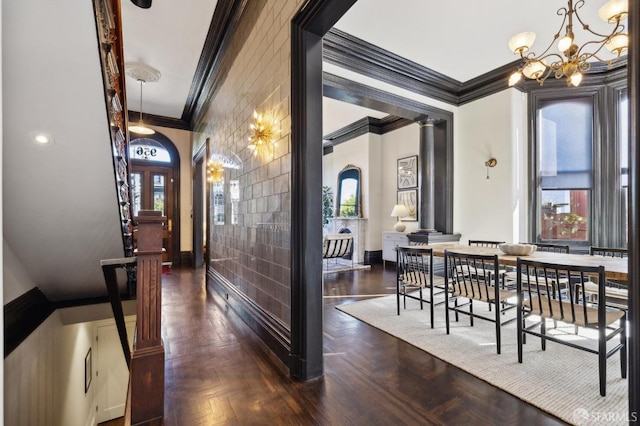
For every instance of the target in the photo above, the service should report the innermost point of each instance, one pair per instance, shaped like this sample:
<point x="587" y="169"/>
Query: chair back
<point x="535" y="286"/>
<point x="552" y="248"/>
<point x="461" y="274"/>
<point x="485" y="243"/>
<point x="336" y="245"/>
<point x="609" y="252"/>
<point x="414" y="266"/>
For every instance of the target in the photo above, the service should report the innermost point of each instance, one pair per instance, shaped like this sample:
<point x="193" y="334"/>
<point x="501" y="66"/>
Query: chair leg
<point x="446" y="309"/>
<point x="520" y="327"/>
<point x="602" y="360"/>
<point x="421" y="301"/>
<point x="398" y="295"/>
<point x="543" y="331"/>
<point x="471" y="311"/>
<point x="431" y="304"/>
<point x="623" y="349"/>
<point x="498" y="328"/>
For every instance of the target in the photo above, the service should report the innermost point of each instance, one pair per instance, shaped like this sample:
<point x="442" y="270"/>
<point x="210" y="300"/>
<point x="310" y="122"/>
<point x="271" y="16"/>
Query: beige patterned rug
<point x="562" y="380"/>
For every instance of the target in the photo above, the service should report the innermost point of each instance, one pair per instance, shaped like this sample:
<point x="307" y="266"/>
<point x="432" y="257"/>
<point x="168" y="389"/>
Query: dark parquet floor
<point x="219" y="372"/>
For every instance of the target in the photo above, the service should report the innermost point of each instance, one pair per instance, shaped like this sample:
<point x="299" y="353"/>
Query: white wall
<point x="30" y="371"/>
<point x="400" y="143"/>
<point x="16" y="279"/>
<point x="375" y="194"/>
<point x="494" y="208"/>
<point x="45" y="376"/>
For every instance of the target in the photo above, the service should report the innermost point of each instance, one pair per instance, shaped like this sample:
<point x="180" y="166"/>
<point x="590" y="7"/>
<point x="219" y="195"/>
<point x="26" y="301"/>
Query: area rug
<point x="562" y="381"/>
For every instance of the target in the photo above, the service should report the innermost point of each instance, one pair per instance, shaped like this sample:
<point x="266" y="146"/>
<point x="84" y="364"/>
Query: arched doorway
<point x="155" y="183"/>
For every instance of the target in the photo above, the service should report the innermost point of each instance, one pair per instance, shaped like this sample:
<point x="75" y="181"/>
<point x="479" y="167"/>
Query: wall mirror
<point x="348" y="202"/>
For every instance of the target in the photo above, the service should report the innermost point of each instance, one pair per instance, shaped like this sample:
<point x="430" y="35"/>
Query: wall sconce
<point x="215" y="171"/>
<point x="262" y="136"/>
<point x="490" y="163"/>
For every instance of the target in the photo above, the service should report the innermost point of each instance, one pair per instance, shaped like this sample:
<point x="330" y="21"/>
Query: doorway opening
<point x="155" y="183"/>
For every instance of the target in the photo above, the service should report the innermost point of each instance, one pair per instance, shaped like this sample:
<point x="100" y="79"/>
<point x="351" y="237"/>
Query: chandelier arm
<point x="588" y="55"/>
<point x="531" y="55"/>
<point x="618" y="28"/>
<point x="543" y="57"/>
<point x="541" y="78"/>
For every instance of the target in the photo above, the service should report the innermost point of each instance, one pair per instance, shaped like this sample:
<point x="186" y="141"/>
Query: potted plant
<point x="327" y="205"/>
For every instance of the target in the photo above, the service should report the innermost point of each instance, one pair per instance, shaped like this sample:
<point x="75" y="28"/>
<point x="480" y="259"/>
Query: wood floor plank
<point x="219" y="372"/>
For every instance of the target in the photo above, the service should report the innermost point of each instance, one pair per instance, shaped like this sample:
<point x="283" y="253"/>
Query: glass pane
<point x="136" y="192"/>
<point x="158" y="193"/>
<point x="148" y="150"/>
<point x="565" y="215"/>
<point x="623" y="143"/>
<point x="234" y="195"/>
<point x="218" y="202"/>
<point x="348" y="197"/>
<point x="565" y="139"/>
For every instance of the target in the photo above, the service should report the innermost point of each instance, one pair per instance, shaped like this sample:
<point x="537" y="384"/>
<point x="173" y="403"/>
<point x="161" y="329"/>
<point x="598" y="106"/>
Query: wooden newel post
<point x="147" y="360"/>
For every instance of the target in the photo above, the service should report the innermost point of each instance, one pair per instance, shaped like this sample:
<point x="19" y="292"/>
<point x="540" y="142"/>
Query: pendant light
<point x="140" y="128"/>
<point x="143" y="74"/>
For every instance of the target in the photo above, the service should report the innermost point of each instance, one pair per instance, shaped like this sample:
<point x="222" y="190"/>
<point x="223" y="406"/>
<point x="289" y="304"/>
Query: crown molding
<point x="351" y="53"/>
<point x="159" y="120"/>
<point x="377" y="126"/>
<point x="225" y="22"/>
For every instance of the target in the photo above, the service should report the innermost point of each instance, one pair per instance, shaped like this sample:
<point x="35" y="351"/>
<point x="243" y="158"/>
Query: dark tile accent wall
<point x="251" y="250"/>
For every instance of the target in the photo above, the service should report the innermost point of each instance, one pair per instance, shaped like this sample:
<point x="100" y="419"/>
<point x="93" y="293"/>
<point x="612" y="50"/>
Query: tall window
<point x="565" y="168"/>
<point x="579" y="166"/>
<point x="623" y="143"/>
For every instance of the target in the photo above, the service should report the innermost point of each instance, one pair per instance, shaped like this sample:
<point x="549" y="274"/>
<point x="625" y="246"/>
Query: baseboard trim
<point x="372" y="257"/>
<point x="186" y="258"/>
<point x="273" y="332"/>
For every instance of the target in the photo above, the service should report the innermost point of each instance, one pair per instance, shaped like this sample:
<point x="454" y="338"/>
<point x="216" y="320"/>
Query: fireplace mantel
<point x="358" y="227"/>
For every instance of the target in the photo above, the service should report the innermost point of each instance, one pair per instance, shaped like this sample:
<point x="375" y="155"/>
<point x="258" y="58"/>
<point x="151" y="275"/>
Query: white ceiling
<point x="460" y="38"/>
<point x="169" y="37"/>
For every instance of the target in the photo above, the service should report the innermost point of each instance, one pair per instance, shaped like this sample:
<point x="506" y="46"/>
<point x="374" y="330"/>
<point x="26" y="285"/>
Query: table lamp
<point x="399" y="211"/>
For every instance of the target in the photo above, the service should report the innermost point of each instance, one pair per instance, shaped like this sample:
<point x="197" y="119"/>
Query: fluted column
<point x="427" y="175"/>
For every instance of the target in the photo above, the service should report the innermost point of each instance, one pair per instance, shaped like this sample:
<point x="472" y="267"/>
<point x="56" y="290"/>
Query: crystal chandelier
<point x="573" y="60"/>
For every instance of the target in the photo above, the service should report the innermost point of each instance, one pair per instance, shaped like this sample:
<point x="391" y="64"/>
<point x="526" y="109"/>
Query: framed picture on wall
<point x="410" y="199"/>
<point x="88" y="371"/>
<point x="408" y="172"/>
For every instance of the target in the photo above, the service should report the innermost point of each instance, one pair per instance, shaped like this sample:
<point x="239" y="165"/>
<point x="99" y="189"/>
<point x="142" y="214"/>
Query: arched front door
<point x="154" y="186"/>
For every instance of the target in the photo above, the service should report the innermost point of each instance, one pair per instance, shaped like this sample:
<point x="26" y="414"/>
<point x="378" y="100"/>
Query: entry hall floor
<point x="218" y="372"/>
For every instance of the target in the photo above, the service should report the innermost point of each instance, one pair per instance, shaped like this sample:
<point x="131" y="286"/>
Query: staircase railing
<point x="109" y="269"/>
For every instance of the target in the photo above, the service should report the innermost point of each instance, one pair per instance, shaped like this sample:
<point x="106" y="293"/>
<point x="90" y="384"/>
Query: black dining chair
<point x="414" y="274"/>
<point x="537" y="302"/>
<point x="466" y="287"/>
<point x="616" y="291"/>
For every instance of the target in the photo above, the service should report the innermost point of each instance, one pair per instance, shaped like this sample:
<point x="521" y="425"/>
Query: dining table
<point x="615" y="268"/>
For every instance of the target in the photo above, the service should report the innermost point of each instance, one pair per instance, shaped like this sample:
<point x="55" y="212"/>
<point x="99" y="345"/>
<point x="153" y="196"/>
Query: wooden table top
<point x="615" y="267"/>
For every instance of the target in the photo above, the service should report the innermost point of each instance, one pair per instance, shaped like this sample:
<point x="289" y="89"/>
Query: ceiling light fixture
<point x="140" y="128"/>
<point x="143" y="74"/>
<point x="573" y="61"/>
<point x="41" y="138"/>
<point x="262" y="136"/>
